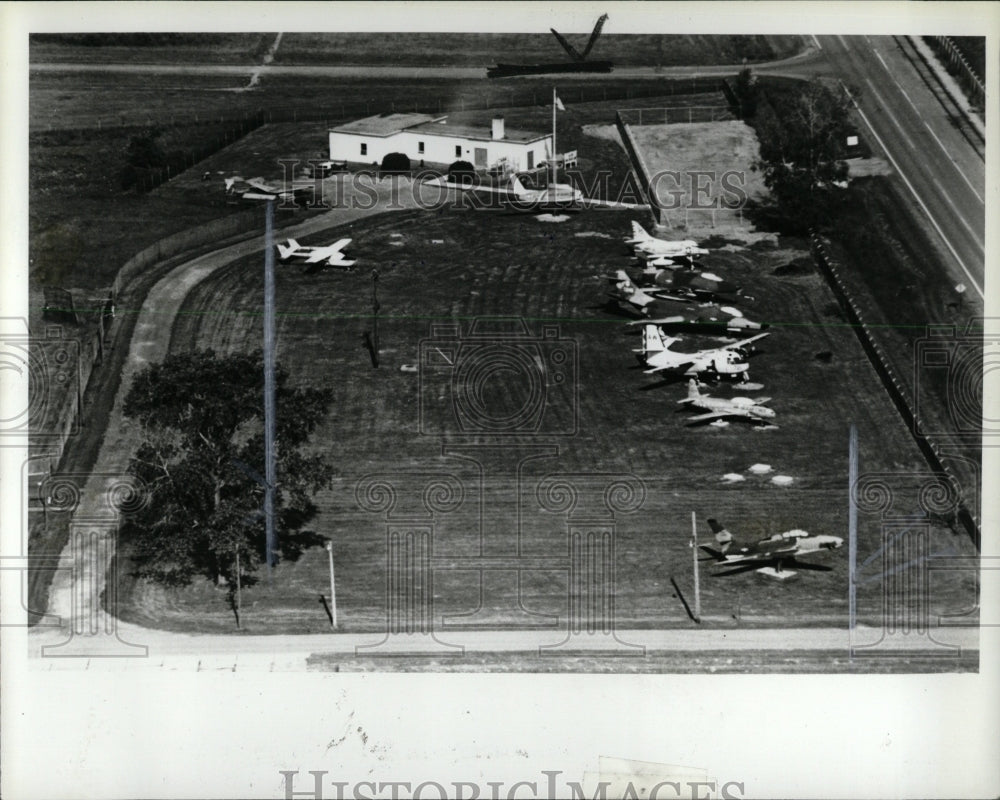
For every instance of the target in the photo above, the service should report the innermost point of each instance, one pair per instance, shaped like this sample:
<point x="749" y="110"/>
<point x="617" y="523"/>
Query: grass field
<point x="492" y="264"/>
<point x="415" y="49"/>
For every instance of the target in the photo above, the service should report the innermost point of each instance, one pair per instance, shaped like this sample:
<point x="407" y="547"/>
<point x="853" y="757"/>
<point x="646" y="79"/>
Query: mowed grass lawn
<point x="455" y="266"/>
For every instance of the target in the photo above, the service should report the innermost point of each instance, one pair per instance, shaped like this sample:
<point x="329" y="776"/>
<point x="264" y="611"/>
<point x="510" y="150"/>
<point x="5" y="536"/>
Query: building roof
<point x="390" y="124"/>
<point x="476" y="133"/>
<point x="385" y="124"/>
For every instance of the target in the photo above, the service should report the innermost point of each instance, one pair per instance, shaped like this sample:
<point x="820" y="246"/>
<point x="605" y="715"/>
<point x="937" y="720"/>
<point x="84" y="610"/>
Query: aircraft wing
<point x="705" y="417"/>
<point x="743" y="342"/>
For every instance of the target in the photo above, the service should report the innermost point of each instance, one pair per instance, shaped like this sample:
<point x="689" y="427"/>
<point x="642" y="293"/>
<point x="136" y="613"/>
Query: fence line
<point x="973" y="84"/>
<point x="892" y="385"/>
<point x="492" y="98"/>
<point x="675" y="115"/>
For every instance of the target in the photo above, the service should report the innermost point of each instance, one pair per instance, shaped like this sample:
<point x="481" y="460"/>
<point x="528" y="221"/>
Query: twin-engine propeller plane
<point x="769" y="556"/>
<point x="726" y="361"/>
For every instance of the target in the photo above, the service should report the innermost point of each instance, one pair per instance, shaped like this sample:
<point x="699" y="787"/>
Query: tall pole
<point x="239" y="599"/>
<point x="269" y="426"/>
<point x="333" y="588"/>
<point x="694" y="556"/>
<point x="554" y="173"/>
<point x="852" y="533"/>
<point x="375" y="307"/>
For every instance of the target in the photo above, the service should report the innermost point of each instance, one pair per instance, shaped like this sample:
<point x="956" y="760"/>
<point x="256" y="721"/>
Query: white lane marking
<point x="971" y="277"/>
<point x="927" y="124"/>
<point x="818" y="45"/>
<point x="892" y="116"/>
<point x="957" y="168"/>
<point x="958" y="213"/>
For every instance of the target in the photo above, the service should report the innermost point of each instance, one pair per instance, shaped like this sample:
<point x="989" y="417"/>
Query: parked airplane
<point x="730" y="359"/>
<point x="681" y="313"/>
<point x="316" y="255"/>
<point x="255" y="189"/>
<point x="561" y="196"/>
<point x="644" y="243"/>
<point x="768" y="555"/>
<point x="682" y="278"/>
<point x="748" y="408"/>
<point x="678" y="284"/>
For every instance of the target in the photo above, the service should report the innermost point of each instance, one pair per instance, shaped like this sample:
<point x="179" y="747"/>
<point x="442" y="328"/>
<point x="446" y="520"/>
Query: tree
<point x="802" y="132"/>
<point x="202" y="457"/>
<point x="745" y="87"/>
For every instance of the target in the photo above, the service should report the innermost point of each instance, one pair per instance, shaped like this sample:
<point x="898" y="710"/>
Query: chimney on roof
<point x="498" y="129"/>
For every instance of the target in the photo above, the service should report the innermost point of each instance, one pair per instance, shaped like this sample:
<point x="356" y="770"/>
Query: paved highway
<point x="935" y="160"/>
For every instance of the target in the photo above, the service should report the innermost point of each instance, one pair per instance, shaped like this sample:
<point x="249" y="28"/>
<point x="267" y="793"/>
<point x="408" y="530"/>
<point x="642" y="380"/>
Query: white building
<point x="430" y="139"/>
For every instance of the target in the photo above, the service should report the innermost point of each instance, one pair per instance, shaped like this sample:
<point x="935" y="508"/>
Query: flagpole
<point x="553" y="135"/>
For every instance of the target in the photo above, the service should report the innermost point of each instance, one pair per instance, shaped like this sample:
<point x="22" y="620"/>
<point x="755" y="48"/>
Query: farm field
<point x="456" y="266"/>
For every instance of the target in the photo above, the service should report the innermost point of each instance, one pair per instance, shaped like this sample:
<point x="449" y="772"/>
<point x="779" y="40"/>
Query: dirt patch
<point x="701" y="173"/>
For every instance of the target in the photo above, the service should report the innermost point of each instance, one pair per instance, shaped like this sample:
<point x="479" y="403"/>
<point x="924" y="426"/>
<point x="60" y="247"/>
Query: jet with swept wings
<point x="769" y="555"/>
<point x="330" y="255"/>
<point x="647" y="245"/>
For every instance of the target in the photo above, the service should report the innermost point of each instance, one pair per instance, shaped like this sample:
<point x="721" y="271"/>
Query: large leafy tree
<point x="802" y="132"/>
<point x="202" y="460"/>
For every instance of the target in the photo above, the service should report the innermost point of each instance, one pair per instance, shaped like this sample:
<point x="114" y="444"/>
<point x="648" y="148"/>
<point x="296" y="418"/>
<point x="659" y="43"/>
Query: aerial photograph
<point x="498" y="400"/>
<point x="512" y="352"/>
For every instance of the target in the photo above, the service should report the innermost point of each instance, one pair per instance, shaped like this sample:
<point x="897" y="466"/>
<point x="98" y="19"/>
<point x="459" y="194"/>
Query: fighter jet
<point x="330" y="254"/>
<point x="728" y="360"/>
<point x="643" y="243"/>
<point x="752" y="409"/>
<point x="679" y="285"/>
<point x="770" y="555"/>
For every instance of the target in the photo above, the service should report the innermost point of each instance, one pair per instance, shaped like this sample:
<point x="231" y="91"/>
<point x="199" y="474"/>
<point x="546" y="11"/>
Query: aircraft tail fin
<point x="516" y="186"/>
<point x="285" y="251"/>
<point x="652" y="339"/>
<point x="722" y="536"/>
<point x="693" y="393"/>
<point x="638" y="232"/>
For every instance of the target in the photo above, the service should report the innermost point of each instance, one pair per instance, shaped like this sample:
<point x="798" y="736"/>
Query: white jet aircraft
<point x="255" y="189"/>
<point x="717" y="407"/>
<point x="331" y="254"/>
<point x="646" y="245"/>
<point x="729" y="360"/>
<point x="553" y="196"/>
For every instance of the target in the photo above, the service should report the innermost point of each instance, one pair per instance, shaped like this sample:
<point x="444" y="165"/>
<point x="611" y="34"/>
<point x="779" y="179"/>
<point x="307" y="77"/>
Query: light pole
<point x="333" y="587"/>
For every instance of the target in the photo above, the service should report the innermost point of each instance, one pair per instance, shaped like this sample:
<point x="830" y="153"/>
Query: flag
<point x="559" y="104"/>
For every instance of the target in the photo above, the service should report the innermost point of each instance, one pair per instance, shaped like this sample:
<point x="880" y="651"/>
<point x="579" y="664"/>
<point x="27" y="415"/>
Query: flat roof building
<point x="429" y="139"/>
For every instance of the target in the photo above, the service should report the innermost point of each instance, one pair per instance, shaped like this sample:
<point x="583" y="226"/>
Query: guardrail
<point x="928" y="449"/>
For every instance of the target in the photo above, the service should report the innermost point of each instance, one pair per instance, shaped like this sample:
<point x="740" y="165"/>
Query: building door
<point x="481" y="158"/>
<point x="531" y="159"/>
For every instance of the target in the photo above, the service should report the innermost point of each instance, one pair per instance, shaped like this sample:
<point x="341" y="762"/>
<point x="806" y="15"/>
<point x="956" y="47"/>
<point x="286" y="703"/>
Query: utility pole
<point x="239" y="599"/>
<point x="694" y="557"/>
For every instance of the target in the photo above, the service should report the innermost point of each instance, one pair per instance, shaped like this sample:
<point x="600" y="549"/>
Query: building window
<point x="420" y="148"/>
<point x="364" y="149"/>
<point x="458" y="150"/>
